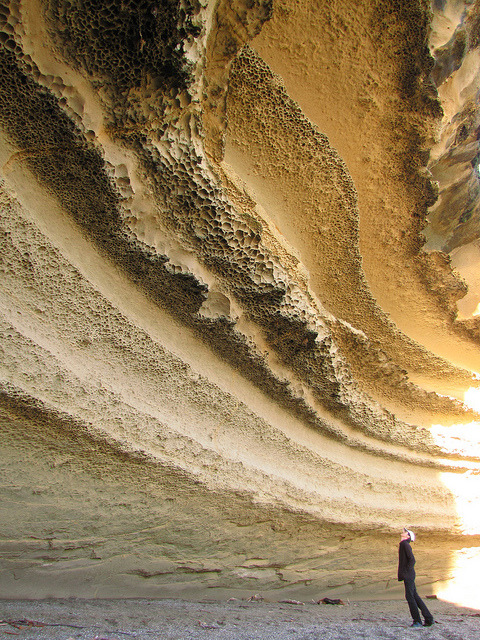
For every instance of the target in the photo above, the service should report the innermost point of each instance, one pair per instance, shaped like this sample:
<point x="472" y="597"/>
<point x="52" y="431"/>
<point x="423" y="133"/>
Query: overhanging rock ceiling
<point x="239" y="291"/>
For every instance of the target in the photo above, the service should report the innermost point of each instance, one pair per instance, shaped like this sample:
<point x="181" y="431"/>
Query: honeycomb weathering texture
<point x="239" y="294"/>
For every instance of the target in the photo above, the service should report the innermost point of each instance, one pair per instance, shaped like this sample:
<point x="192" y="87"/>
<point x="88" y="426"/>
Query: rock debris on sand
<point x="73" y="619"/>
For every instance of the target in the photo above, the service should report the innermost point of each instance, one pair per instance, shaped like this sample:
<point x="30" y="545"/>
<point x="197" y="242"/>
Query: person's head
<point x="407" y="535"/>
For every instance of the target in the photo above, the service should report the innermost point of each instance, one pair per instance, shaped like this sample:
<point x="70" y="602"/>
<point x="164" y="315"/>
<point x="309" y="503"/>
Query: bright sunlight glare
<point x="462" y="439"/>
<point x="461" y="587"/>
<point x="465" y="487"/>
<point x="472" y="398"/>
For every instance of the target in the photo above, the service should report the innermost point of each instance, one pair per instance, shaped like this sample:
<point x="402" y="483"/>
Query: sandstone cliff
<point x="239" y="293"/>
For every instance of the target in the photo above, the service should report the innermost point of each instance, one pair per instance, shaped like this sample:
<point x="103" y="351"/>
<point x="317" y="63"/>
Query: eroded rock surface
<point x="235" y="349"/>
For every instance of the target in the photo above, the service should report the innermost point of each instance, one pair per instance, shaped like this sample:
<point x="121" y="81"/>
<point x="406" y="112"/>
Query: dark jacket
<point x="406" y="561"/>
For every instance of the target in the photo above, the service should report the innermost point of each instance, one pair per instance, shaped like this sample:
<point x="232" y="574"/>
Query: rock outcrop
<point x="238" y="293"/>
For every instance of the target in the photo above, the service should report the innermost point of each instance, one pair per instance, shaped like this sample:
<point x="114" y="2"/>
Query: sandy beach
<point x="235" y="619"/>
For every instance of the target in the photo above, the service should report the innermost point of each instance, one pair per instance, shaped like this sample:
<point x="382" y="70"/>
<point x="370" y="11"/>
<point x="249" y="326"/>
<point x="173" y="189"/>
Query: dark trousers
<point x="415" y="602"/>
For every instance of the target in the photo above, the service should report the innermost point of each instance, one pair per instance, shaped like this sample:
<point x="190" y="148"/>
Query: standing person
<point x="406" y="572"/>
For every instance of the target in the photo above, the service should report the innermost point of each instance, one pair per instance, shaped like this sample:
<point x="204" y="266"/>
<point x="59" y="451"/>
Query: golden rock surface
<point x="239" y="291"/>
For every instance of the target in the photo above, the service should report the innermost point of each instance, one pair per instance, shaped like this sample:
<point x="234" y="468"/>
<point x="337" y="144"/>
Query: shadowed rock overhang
<point x="239" y="248"/>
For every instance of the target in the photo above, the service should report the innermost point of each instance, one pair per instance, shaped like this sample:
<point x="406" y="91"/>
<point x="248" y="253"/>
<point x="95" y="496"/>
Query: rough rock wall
<point x="228" y="362"/>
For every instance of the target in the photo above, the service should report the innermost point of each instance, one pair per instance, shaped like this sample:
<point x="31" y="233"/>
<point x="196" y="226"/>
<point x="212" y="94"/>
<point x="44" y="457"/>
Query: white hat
<point x="410" y="533"/>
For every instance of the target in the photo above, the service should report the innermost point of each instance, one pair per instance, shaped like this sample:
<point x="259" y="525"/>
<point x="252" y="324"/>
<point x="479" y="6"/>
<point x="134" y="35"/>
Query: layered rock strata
<point x="225" y="338"/>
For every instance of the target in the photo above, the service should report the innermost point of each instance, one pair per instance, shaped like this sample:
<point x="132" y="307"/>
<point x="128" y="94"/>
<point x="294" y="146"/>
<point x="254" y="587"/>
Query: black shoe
<point x="417" y="625"/>
<point x="428" y="623"/>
